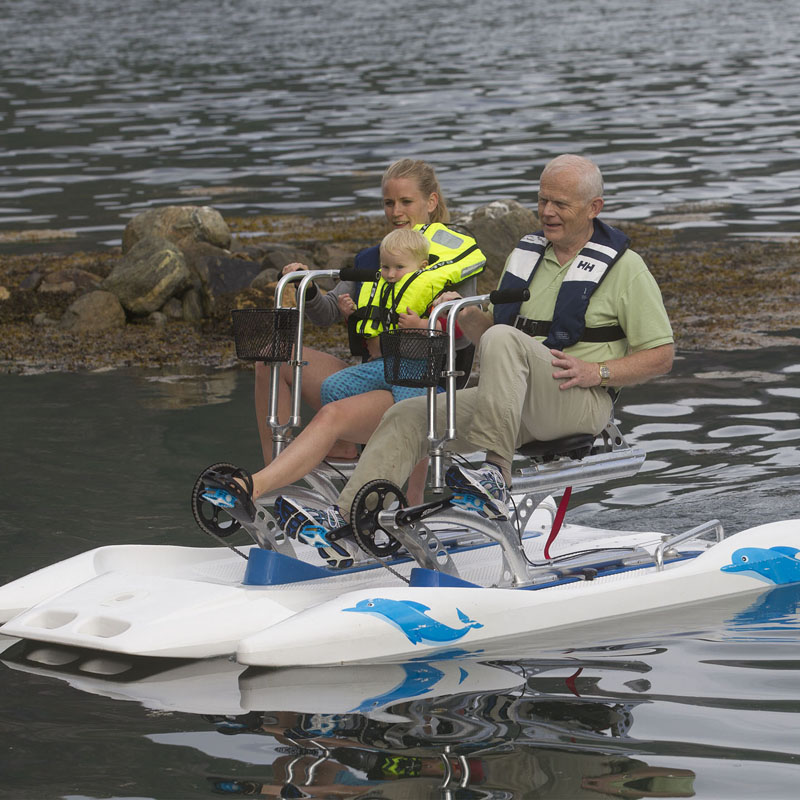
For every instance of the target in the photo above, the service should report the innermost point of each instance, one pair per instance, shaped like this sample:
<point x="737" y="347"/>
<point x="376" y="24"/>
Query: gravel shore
<point x="737" y="295"/>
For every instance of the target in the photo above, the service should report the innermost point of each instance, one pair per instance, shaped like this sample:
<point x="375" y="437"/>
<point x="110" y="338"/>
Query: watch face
<point x="605" y="372"/>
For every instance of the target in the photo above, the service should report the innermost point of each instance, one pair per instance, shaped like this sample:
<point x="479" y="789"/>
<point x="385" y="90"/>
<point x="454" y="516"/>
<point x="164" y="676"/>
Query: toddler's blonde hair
<point x="406" y="240"/>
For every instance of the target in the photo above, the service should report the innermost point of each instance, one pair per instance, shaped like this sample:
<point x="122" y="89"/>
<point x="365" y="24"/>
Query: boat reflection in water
<point x="455" y="728"/>
<point x="476" y="725"/>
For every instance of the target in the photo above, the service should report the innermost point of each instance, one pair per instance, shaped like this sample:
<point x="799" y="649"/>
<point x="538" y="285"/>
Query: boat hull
<point x="404" y="623"/>
<point x="180" y="602"/>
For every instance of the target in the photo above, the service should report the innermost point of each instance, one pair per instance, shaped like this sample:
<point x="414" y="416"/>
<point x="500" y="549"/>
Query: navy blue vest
<point x="368" y="258"/>
<point x="585" y="274"/>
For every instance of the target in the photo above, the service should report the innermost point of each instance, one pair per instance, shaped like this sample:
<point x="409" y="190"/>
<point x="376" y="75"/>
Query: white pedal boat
<point x="465" y="584"/>
<point x="183" y="602"/>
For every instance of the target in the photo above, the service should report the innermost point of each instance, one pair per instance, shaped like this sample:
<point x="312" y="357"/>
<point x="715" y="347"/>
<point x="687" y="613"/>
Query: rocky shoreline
<point x="732" y="296"/>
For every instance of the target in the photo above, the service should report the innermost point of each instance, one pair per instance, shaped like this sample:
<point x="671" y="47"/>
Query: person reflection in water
<point x="329" y="755"/>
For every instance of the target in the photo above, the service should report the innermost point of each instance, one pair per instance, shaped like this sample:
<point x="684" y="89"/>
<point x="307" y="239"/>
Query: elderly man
<point x="595" y="320"/>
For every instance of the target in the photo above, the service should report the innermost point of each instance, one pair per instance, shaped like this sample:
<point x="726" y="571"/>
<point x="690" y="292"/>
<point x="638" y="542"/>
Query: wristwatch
<point x="605" y="373"/>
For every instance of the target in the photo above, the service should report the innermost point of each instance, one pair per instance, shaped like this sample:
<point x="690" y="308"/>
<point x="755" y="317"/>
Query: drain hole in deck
<point x="104" y="627"/>
<point x="52" y="619"/>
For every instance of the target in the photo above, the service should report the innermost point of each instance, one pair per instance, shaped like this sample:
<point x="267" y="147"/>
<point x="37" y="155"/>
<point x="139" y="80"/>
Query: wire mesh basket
<point x="414" y="357"/>
<point x="265" y="334"/>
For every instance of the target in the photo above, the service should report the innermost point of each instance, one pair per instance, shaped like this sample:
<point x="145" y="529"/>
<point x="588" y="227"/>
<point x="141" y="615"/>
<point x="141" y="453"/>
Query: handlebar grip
<point x="357" y="275"/>
<point x="499" y="296"/>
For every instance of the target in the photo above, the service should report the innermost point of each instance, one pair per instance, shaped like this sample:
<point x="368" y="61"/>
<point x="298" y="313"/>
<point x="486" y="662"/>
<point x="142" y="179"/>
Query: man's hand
<point x="626" y="371"/>
<point x="444" y="297"/>
<point x="472" y="321"/>
<point x="572" y="371"/>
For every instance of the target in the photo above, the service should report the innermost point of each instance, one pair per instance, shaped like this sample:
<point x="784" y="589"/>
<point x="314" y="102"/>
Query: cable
<point x="380" y="561"/>
<point x="335" y="469"/>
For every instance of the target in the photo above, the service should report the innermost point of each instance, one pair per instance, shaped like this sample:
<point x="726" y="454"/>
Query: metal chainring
<point x="372" y="498"/>
<point x="210" y="518"/>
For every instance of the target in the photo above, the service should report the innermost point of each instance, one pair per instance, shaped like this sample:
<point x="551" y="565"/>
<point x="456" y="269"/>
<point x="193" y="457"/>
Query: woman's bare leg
<point x="320" y="366"/>
<point x="352" y="419"/>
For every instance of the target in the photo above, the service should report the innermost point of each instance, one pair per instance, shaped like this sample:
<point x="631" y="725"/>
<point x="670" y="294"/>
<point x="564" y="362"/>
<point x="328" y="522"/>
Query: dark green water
<point x="268" y="106"/>
<point x="705" y="699"/>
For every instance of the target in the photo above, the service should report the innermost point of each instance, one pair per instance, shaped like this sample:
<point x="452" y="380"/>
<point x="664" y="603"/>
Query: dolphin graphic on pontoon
<point x="778" y="565"/>
<point x="412" y="618"/>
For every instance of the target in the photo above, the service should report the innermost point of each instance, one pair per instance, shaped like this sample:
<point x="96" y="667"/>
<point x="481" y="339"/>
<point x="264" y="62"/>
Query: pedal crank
<point x="210" y="518"/>
<point x="401" y="525"/>
<point x="407" y="516"/>
<point x="370" y="501"/>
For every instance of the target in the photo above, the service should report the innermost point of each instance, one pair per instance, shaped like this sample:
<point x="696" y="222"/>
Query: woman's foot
<point x="231" y="489"/>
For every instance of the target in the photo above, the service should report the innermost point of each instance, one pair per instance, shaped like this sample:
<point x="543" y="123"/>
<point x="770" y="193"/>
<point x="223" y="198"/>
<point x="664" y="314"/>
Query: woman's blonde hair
<point x="406" y="240"/>
<point x="424" y="176"/>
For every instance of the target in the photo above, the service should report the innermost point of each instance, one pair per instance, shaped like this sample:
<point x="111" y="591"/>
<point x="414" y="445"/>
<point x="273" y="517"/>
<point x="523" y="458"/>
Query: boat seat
<point x="575" y="446"/>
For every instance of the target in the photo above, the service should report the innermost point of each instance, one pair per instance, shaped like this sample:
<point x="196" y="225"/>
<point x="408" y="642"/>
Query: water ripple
<point x="693" y="117"/>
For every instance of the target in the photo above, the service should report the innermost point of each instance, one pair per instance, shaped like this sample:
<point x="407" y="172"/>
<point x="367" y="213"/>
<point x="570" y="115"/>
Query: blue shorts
<point x="362" y="378"/>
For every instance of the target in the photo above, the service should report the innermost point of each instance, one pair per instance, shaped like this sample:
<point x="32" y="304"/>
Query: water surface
<point x="704" y="699"/>
<point x="267" y="106"/>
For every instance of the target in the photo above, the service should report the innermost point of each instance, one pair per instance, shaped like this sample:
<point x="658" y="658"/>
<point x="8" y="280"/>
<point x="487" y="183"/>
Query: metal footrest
<point x="423" y="545"/>
<point x="665" y="549"/>
<point x="268" y="535"/>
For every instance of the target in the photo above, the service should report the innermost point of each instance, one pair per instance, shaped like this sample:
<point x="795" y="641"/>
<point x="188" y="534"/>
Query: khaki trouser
<point x="516" y="401"/>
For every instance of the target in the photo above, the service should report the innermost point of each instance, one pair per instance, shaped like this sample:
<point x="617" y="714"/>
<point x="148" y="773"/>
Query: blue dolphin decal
<point x="450" y="654"/>
<point x="777" y="608"/>
<point x="419" y="680"/>
<point x="778" y="565"/>
<point x="411" y="618"/>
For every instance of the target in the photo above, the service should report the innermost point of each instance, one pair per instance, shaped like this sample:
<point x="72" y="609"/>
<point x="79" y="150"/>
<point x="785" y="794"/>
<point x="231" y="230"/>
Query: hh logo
<point x="586" y="265"/>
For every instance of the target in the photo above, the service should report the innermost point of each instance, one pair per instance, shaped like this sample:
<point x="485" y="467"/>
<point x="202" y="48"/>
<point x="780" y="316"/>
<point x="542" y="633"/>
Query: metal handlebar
<point x="436" y="444"/>
<point x="279" y="431"/>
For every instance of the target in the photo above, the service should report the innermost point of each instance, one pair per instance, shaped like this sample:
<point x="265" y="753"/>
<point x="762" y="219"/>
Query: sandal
<point x="223" y="490"/>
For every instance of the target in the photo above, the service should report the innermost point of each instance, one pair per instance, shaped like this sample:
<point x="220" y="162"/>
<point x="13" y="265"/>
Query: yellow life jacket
<point x="453" y="258"/>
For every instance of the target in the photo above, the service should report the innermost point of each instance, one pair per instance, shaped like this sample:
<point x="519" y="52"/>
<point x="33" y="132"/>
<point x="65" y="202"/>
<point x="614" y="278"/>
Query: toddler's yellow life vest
<point x="453" y="258"/>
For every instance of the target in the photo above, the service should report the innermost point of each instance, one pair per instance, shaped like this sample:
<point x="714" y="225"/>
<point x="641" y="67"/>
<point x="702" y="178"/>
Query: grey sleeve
<point x="322" y="309"/>
<point x="466" y="288"/>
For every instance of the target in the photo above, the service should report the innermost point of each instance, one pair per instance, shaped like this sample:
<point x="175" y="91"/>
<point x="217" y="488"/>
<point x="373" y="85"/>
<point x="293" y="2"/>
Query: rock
<point x="158" y="319"/>
<point x="182" y="225"/>
<point x="53" y="286"/>
<point x="96" y="311"/>
<point x="148" y="275"/>
<point x="41" y="320"/>
<point x="332" y="256"/>
<point x="69" y="281"/>
<point x="253" y="252"/>
<point x="172" y="309"/>
<point x="31" y="281"/>
<point x="200" y="258"/>
<point x="264" y="278"/>
<point x="279" y="255"/>
<point x="192" y="305"/>
<point x="215" y="272"/>
<point x="4" y="293"/>
<point x="231" y="275"/>
<point x="497" y="227"/>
